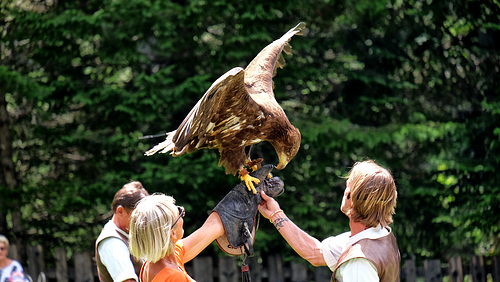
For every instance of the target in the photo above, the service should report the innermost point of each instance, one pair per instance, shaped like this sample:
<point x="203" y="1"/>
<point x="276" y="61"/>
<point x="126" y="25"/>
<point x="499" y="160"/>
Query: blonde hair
<point x="373" y="193"/>
<point x="150" y="227"/>
<point x="4" y="240"/>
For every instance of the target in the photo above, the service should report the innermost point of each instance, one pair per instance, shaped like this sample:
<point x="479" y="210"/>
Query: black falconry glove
<point x="238" y="209"/>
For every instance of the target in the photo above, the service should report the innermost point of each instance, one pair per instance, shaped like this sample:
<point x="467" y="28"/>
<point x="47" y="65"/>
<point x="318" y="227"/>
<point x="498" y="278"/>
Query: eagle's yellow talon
<point x="249" y="180"/>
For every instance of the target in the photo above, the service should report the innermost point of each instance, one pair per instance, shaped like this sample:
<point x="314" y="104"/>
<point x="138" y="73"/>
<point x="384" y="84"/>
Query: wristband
<point x="271" y="217"/>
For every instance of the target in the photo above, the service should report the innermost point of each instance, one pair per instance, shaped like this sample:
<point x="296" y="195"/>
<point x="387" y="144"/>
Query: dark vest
<point x="382" y="252"/>
<point x="103" y="273"/>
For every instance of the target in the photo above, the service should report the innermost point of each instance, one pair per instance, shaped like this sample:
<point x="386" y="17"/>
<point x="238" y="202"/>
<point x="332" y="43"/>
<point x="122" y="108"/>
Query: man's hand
<point x="269" y="206"/>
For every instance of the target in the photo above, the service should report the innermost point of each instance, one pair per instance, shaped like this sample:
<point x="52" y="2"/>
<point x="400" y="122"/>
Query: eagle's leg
<point x="256" y="164"/>
<point x="249" y="180"/>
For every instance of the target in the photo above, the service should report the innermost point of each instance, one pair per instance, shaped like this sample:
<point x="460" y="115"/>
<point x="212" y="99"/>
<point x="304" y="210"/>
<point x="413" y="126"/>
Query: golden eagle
<point x="237" y="111"/>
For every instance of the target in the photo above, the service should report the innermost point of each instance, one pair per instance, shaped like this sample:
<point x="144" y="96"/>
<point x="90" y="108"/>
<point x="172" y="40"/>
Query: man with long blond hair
<point x="369" y="251"/>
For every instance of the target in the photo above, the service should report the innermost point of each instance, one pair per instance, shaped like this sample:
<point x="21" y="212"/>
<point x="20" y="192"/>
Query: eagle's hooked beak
<point x="283" y="161"/>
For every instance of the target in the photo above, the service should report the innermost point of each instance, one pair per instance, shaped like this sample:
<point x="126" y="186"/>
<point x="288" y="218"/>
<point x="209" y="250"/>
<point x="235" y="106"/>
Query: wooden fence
<point x="81" y="268"/>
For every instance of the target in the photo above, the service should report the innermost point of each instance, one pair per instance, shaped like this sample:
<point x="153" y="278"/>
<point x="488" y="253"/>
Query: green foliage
<point x="411" y="84"/>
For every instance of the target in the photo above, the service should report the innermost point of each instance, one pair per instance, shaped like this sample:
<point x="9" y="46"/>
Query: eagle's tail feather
<point x="164" y="147"/>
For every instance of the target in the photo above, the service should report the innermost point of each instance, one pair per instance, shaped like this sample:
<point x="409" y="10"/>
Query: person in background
<point x="114" y="262"/>
<point x="10" y="269"/>
<point x="156" y="235"/>
<point x="369" y="252"/>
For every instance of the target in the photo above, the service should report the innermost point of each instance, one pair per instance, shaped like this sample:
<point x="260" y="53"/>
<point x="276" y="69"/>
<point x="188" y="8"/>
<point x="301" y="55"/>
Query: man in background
<point x="114" y="262"/>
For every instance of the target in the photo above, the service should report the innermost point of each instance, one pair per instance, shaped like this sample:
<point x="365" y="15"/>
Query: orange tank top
<point x="170" y="274"/>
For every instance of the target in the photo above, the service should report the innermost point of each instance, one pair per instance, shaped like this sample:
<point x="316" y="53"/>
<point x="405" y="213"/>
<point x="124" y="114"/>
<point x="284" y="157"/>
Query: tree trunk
<point x="4" y="131"/>
<point x="9" y="179"/>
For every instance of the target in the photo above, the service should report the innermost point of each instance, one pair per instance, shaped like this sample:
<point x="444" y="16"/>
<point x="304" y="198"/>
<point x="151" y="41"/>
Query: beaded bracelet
<point x="271" y="217"/>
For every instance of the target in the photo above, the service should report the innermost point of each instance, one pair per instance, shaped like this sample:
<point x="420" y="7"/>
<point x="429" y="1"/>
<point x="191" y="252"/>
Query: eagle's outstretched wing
<point x="261" y="70"/>
<point x="225" y="108"/>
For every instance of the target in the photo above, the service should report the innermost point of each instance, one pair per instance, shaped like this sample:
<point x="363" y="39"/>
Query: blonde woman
<point x="157" y="236"/>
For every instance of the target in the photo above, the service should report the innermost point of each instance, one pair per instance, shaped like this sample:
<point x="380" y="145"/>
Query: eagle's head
<point x="287" y="146"/>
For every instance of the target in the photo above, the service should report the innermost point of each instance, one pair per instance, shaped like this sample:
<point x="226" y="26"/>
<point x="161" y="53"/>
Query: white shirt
<point x="5" y="272"/>
<point x="115" y="255"/>
<point x="358" y="269"/>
